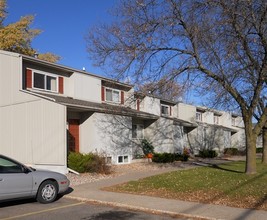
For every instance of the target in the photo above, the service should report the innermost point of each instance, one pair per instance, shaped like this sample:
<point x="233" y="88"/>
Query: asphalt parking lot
<point x="69" y="209"/>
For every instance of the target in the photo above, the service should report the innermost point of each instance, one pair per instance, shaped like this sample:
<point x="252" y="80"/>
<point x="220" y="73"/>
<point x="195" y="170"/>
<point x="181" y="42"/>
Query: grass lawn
<point x="225" y="184"/>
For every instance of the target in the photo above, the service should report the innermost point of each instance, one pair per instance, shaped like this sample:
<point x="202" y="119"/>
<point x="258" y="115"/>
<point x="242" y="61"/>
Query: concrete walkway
<point x="91" y="192"/>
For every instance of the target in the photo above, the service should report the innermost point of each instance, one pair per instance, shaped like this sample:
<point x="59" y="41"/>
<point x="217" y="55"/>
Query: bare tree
<point x="164" y="89"/>
<point x="218" y="44"/>
<point x="257" y="114"/>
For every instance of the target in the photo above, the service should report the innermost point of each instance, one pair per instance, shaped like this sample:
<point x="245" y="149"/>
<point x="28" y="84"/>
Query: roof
<point x="81" y="105"/>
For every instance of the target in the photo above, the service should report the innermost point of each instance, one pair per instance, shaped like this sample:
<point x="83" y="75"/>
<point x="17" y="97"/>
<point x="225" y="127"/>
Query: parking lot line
<point x="43" y="211"/>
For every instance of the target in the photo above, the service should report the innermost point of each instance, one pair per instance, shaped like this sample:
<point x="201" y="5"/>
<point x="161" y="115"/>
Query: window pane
<point x="120" y="159"/>
<point x="116" y="96"/>
<point x="51" y="83"/>
<point x="199" y="116"/>
<point x="125" y="158"/>
<point x="140" y="131"/>
<point x="164" y="110"/>
<point x="39" y="81"/>
<point x="108" y="95"/>
<point x="134" y="131"/>
<point x="7" y="166"/>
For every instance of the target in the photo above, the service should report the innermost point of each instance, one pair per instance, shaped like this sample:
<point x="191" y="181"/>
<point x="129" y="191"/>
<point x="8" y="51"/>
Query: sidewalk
<point x="91" y="192"/>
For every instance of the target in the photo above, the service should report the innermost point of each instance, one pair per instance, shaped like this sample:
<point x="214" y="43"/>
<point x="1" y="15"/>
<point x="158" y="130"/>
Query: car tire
<point x="47" y="192"/>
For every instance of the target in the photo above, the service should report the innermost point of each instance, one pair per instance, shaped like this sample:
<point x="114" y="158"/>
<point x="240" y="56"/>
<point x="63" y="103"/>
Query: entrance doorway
<point x="73" y="135"/>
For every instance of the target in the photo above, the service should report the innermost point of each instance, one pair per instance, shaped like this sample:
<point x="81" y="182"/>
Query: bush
<point x="207" y="153"/>
<point x="231" y="151"/>
<point x="163" y="157"/>
<point x="181" y="157"/>
<point x="147" y="147"/>
<point x="88" y="163"/>
<point x="169" y="157"/>
<point x="259" y="150"/>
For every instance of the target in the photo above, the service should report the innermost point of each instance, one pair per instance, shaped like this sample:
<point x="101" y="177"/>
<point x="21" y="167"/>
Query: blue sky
<point x="64" y="24"/>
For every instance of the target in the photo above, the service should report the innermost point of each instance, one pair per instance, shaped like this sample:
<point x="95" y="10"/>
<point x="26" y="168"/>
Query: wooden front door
<point x="73" y="135"/>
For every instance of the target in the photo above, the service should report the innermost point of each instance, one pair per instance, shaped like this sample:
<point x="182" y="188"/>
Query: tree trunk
<point x="264" y="145"/>
<point x="251" y="150"/>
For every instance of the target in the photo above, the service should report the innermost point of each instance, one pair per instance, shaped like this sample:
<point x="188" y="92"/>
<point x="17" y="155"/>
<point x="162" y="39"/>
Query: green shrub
<point x="231" y="151"/>
<point x="259" y="150"/>
<point x="163" y="157"/>
<point x="207" y="153"/>
<point x="170" y="157"/>
<point x="147" y="147"/>
<point x="88" y="163"/>
<point x="181" y="157"/>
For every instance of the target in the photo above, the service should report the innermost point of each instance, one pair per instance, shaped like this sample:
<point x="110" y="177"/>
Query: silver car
<point x="19" y="181"/>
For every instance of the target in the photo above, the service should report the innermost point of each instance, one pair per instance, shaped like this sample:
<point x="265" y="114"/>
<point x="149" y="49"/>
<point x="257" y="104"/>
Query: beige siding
<point x="226" y="120"/>
<point x="151" y="105"/>
<point x="85" y="87"/>
<point x="160" y="133"/>
<point x="109" y="134"/>
<point x="34" y="132"/>
<point x="11" y="81"/>
<point x="186" y="112"/>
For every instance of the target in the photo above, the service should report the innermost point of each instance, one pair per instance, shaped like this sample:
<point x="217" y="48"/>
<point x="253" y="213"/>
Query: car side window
<point x="8" y="166"/>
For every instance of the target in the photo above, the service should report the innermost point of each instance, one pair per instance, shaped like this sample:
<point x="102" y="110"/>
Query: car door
<point x="14" y="181"/>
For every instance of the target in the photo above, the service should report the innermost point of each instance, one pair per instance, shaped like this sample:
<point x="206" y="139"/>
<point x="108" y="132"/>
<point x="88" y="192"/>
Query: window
<point x="112" y="95"/>
<point x="108" y="160"/>
<point x="199" y="116"/>
<point x="45" y="82"/>
<point x="233" y="122"/>
<point x="8" y="166"/>
<point x="216" y="119"/>
<point x="164" y="110"/>
<point x="123" y="159"/>
<point x="138" y="131"/>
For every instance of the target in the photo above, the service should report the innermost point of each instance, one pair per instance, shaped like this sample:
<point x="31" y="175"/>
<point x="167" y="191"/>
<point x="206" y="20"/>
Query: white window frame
<point x="45" y="74"/>
<point x="199" y="116"/>
<point x="168" y="110"/>
<point x="123" y="159"/>
<point x="112" y="92"/>
<point x="139" y="127"/>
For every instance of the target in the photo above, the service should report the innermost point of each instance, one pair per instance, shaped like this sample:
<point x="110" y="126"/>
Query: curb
<point x="137" y="208"/>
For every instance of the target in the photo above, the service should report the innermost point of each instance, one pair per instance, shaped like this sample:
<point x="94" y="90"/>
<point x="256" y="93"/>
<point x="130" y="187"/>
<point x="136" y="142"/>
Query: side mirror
<point x="25" y="169"/>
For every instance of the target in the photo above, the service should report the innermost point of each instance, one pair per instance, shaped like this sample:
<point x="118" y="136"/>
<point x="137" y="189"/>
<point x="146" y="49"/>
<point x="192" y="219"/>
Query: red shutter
<point x="28" y="78"/>
<point x="138" y="104"/>
<point x="103" y="93"/>
<point x="61" y="85"/>
<point x="122" y="97"/>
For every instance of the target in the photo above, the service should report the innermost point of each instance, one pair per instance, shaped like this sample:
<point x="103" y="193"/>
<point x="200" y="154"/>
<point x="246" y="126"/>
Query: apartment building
<point x="48" y="110"/>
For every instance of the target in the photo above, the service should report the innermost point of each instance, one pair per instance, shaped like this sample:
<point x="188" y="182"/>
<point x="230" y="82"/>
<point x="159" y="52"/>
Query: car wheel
<point x="47" y="192"/>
